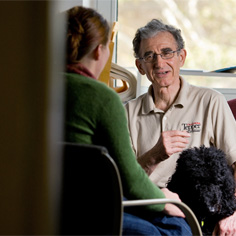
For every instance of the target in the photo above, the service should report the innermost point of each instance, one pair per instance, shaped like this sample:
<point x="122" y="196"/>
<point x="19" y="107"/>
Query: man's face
<point x="161" y="72"/>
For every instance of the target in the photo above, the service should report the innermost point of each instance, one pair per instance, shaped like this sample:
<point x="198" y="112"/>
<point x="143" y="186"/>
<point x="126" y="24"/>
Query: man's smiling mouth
<point x="165" y="72"/>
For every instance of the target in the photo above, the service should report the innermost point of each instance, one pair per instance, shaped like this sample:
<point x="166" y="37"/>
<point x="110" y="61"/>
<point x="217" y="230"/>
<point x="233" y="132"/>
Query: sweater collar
<point x="79" y="69"/>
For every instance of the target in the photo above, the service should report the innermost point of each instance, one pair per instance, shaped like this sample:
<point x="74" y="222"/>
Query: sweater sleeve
<point x="113" y="125"/>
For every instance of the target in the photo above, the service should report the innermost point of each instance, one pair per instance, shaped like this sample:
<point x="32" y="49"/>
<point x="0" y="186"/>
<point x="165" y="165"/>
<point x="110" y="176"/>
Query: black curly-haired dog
<point x="205" y="182"/>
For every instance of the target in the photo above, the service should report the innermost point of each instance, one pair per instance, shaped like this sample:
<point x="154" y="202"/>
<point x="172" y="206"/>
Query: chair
<point x="91" y="193"/>
<point x="105" y="74"/>
<point x="232" y="105"/>
<point x="91" y="202"/>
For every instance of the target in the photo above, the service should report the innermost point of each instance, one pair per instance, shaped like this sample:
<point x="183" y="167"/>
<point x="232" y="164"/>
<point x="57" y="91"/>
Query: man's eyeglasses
<point x="153" y="56"/>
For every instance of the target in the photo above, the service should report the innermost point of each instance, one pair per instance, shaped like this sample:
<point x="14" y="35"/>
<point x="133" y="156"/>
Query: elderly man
<point x="174" y="115"/>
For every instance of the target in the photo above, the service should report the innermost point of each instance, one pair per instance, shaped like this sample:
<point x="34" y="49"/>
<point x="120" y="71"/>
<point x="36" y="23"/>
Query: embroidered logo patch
<point x="191" y="127"/>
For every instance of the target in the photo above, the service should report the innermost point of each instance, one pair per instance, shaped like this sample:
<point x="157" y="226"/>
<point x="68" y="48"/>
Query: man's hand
<point x="170" y="142"/>
<point x="226" y="226"/>
<point x="171" y="209"/>
<point x="174" y="141"/>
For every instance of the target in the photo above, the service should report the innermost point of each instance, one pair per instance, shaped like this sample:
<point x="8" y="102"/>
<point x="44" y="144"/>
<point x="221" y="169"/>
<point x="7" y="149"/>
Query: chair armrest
<point x="190" y="217"/>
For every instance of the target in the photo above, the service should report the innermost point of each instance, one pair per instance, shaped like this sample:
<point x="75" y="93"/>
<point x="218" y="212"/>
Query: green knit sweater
<point x="95" y="115"/>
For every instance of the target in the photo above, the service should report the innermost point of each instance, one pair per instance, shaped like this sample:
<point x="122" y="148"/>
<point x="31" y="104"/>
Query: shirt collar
<point x="148" y="101"/>
<point x="182" y="97"/>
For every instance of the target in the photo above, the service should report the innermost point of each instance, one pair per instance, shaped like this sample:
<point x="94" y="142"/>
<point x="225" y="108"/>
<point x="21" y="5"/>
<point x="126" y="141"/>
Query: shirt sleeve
<point x="136" y="184"/>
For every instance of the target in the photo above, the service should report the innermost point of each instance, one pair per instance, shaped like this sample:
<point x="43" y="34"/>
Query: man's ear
<point x="183" y="55"/>
<point x="139" y="66"/>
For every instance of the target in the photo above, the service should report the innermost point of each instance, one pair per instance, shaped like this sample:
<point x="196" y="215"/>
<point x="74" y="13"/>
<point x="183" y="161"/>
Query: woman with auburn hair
<point x="95" y="115"/>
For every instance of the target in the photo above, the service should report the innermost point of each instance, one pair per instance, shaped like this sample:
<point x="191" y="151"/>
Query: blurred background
<point x="208" y="28"/>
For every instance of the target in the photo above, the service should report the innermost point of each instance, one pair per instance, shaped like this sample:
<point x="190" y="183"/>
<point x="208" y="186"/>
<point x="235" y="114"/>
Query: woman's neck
<point x="90" y="65"/>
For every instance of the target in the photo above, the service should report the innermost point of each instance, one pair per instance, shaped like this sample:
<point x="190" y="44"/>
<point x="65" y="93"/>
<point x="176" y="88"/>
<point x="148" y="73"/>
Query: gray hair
<point x="153" y="28"/>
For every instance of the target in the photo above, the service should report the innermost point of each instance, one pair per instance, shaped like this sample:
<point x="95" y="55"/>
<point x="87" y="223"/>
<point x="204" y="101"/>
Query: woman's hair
<point x="86" y="29"/>
<point x="153" y="28"/>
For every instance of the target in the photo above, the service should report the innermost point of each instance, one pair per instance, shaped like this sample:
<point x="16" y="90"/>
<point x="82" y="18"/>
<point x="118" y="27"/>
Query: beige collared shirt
<point x="203" y="112"/>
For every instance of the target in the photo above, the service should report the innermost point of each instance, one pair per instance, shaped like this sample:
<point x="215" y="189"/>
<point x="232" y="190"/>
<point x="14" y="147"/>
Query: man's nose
<point x="159" y="60"/>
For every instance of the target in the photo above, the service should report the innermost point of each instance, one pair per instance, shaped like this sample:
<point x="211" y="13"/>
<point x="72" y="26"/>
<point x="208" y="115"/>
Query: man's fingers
<point x="175" y="146"/>
<point x="174" y="141"/>
<point x="179" y="140"/>
<point x="174" y="133"/>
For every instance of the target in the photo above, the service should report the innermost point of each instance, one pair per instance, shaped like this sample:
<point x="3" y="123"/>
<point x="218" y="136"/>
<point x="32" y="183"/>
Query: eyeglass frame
<point x="155" y="55"/>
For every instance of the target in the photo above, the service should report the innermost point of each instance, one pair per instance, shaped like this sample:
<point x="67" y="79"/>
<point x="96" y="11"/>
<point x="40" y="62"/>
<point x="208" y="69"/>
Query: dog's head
<point x="205" y="182"/>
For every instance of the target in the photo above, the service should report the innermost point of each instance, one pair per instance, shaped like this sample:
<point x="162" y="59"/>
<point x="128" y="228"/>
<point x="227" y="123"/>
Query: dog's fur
<point x="205" y="182"/>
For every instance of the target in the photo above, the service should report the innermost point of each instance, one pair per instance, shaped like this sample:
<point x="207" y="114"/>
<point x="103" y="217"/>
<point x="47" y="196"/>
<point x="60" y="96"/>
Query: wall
<point x="31" y="95"/>
<point x="108" y="8"/>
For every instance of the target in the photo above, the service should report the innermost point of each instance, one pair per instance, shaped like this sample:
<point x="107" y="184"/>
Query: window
<point x="208" y="28"/>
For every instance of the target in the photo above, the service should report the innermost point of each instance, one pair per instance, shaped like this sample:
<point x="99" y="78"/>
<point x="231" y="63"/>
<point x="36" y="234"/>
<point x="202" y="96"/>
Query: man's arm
<point x="227" y="226"/>
<point x="170" y="142"/>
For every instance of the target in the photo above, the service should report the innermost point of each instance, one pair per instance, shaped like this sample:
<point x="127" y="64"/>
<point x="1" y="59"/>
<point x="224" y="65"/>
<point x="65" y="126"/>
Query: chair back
<point x="232" y="105"/>
<point x="91" y="201"/>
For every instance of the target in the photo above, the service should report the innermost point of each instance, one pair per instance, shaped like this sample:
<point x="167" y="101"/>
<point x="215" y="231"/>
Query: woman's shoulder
<point x="87" y="85"/>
